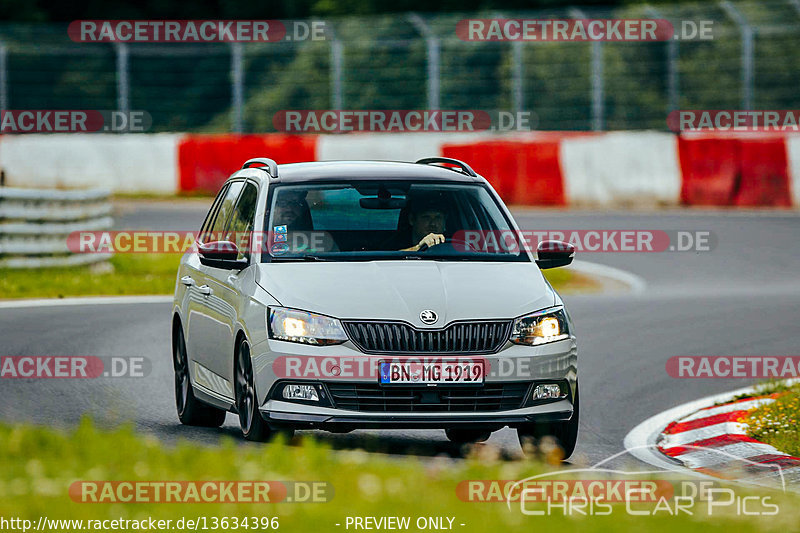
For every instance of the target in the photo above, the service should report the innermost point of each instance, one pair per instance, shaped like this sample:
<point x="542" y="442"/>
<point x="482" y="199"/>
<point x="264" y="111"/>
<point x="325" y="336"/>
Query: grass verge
<point x="567" y="281"/>
<point x="131" y="274"/>
<point x="128" y="274"/>
<point x="39" y="465"/>
<point x="777" y="423"/>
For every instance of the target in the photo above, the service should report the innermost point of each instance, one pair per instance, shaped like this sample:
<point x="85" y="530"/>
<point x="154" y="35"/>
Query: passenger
<point x="293" y="228"/>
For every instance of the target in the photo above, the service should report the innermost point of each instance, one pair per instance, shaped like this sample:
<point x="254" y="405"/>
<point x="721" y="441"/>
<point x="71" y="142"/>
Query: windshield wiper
<point x="301" y="258"/>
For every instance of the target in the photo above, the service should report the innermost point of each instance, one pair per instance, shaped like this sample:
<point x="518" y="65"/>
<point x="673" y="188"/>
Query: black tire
<point x="566" y="432"/>
<point x="191" y="411"/>
<point x="254" y="427"/>
<point x="466" y="436"/>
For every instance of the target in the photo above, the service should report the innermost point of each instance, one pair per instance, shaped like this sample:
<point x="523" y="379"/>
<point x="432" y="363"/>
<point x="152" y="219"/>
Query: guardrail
<point x="35" y="223"/>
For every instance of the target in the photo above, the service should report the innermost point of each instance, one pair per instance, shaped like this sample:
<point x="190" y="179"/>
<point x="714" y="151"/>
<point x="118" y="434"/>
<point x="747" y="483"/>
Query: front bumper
<point x="513" y="363"/>
<point x="312" y="417"/>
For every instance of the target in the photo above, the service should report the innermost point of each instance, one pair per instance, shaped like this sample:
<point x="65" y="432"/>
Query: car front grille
<point x="368" y="397"/>
<point x="468" y="338"/>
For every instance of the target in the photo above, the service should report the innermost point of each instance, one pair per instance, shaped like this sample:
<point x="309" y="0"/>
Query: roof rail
<point x="272" y="166"/>
<point x="465" y="168"/>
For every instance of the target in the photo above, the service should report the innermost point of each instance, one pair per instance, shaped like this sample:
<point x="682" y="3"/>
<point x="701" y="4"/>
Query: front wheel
<point x="565" y="432"/>
<point x="254" y="427"/>
<point x="191" y="411"/>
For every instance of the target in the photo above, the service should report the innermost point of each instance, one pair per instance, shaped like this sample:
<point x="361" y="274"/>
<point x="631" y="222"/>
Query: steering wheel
<point x="451" y="240"/>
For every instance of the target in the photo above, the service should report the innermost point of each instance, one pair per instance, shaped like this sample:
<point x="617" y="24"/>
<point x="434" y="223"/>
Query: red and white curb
<point x="709" y="437"/>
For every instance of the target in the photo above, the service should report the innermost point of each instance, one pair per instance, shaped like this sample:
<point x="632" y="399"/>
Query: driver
<point x="427" y="221"/>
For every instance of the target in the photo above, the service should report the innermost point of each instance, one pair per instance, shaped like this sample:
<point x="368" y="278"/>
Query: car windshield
<point x="381" y="220"/>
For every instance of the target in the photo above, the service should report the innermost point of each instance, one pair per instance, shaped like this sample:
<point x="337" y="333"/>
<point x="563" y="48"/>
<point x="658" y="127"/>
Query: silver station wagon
<point x="364" y="294"/>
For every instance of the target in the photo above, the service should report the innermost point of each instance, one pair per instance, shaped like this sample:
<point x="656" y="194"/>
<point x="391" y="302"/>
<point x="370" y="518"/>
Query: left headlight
<point x="547" y="325"/>
<point x="306" y="328"/>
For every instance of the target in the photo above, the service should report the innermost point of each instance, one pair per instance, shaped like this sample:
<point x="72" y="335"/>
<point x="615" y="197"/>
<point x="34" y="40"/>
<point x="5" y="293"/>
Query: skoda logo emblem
<point x="428" y="316"/>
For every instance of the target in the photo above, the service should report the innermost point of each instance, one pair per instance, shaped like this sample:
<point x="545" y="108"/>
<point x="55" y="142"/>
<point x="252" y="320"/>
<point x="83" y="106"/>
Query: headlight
<point x="304" y="327"/>
<point x="548" y="325"/>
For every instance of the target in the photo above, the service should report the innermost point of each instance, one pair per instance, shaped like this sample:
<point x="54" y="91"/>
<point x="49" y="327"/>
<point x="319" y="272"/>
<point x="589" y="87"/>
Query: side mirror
<point x="221" y="254"/>
<point x="553" y="254"/>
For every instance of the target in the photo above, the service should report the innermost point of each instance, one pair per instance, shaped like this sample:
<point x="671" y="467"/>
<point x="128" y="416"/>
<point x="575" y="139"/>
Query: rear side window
<point x="209" y="221"/>
<point x="224" y="212"/>
<point x="241" y="224"/>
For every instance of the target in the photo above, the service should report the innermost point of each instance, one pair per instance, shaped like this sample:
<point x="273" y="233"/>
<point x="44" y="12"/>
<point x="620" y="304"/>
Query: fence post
<point x="517" y="94"/>
<point x="598" y="104"/>
<point x="673" y="87"/>
<point x="3" y="77"/>
<point x="433" y="53"/>
<point x="237" y="87"/>
<point x="337" y="68"/>
<point x="748" y="80"/>
<point x="123" y="82"/>
<point x="337" y="58"/>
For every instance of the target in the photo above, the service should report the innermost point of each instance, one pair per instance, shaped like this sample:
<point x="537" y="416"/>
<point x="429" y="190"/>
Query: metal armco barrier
<point x="35" y="223"/>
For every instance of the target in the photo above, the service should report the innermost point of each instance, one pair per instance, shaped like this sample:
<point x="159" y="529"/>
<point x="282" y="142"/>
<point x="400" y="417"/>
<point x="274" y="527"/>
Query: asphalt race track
<point x="742" y="298"/>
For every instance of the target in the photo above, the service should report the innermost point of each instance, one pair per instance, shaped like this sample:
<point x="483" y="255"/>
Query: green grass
<point x="40" y="464"/>
<point x="155" y="274"/>
<point x="156" y="196"/>
<point x="764" y="389"/>
<point x="567" y="281"/>
<point x="777" y="423"/>
<point x="129" y="274"/>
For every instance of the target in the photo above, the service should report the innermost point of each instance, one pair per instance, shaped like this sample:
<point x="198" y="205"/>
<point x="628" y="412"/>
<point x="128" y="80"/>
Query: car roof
<point x="361" y="170"/>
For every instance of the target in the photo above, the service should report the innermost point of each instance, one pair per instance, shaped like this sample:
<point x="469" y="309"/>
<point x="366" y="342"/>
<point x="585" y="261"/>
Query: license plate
<point x="437" y="372"/>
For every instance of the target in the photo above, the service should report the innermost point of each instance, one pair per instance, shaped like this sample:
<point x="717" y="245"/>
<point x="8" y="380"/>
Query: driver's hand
<point x="431" y="239"/>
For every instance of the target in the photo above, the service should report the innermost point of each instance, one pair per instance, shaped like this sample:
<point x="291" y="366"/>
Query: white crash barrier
<point x="120" y="162"/>
<point x="793" y="154"/>
<point x="35" y="224"/>
<point x="620" y="167"/>
<point x="387" y="146"/>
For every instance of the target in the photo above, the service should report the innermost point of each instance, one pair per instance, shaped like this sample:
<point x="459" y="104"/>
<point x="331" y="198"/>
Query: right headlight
<point x="294" y="325"/>
<point x="541" y="327"/>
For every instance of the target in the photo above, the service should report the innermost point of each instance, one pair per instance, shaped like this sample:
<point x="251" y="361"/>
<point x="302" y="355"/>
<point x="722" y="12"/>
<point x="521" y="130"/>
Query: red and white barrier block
<point x="623" y="168"/>
<point x="535" y="168"/>
<point x="714" y="441"/>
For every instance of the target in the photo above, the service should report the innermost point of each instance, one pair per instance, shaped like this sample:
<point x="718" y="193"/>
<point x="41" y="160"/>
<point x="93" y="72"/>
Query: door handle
<point x="187" y="280"/>
<point x="205" y="289"/>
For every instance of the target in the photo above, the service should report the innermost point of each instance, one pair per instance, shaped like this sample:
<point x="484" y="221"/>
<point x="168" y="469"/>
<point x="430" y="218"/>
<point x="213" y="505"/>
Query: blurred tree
<point x="59" y="11"/>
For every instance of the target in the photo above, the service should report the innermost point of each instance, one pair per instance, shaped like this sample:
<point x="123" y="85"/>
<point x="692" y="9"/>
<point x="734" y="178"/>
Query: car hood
<point x="400" y="290"/>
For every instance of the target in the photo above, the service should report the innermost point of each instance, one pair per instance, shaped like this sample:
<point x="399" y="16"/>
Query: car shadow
<point x="424" y="444"/>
